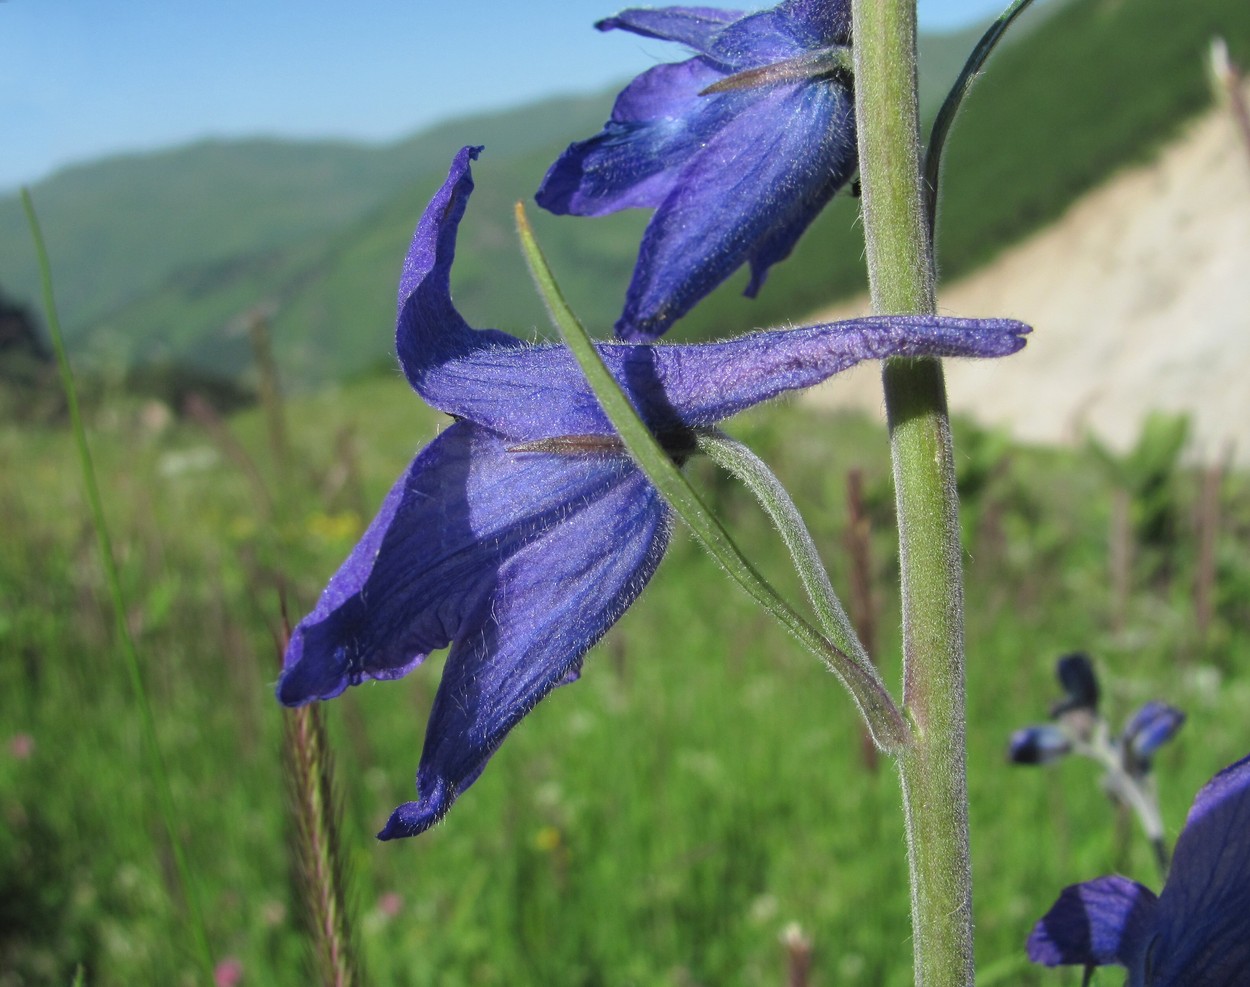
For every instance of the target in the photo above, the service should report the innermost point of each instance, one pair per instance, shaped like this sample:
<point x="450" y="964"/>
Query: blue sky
<point x="83" y="78"/>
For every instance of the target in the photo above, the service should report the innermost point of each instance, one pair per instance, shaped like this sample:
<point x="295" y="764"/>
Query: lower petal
<point x="435" y="555"/>
<point x="550" y="604"/>
<point x="1101" y="922"/>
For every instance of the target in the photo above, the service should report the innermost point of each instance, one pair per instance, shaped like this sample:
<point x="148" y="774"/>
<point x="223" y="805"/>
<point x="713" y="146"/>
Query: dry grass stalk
<point x="320" y="870"/>
<point x="858" y="541"/>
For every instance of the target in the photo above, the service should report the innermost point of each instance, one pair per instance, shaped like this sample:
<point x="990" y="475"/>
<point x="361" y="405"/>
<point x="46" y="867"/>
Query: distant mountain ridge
<point x="162" y="258"/>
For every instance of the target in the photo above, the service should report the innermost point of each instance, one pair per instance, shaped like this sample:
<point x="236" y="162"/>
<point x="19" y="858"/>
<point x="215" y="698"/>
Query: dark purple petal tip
<point x="414" y="818"/>
<point x="1080" y="685"/>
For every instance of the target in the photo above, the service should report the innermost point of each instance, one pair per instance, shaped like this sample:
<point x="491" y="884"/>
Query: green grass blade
<point x="147" y="722"/>
<point x="888" y="727"/>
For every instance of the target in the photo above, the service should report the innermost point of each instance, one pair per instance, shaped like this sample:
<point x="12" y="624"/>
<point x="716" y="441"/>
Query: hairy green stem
<point x="147" y="721"/>
<point x="901" y="277"/>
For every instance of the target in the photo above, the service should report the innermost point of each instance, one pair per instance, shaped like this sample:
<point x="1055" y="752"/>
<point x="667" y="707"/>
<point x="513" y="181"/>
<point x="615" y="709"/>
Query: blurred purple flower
<point x="21" y="746"/>
<point x="1079" y="727"/>
<point x="737" y="149"/>
<point x="1196" y="933"/>
<point x="525" y="530"/>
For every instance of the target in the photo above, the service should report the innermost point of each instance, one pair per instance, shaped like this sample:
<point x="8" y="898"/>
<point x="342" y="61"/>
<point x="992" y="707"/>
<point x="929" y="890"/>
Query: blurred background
<point x="227" y="192"/>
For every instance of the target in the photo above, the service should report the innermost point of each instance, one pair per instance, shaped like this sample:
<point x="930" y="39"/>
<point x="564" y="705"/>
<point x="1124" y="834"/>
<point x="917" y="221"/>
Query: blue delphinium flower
<point x="522" y="532"/>
<point x="1196" y="933"/>
<point x="1079" y="727"/>
<point x="736" y="173"/>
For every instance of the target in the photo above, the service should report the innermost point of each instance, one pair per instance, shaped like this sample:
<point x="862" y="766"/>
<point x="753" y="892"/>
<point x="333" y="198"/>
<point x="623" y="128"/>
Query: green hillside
<point x="139" y="228"/>
<point x="1100" y="84"/>
<point x="161" y="259"/>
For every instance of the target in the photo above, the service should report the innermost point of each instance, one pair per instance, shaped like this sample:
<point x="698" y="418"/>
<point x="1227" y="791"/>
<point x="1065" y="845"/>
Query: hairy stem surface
<point x="901" y="278"/>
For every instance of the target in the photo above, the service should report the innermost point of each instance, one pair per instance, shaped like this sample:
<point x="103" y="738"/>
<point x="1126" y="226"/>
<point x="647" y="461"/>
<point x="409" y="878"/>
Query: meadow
<point x="705" y="788"/>
<point x="663" y="820"/>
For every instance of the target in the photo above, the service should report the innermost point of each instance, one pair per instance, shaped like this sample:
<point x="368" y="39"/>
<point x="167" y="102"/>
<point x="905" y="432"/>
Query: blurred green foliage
<point x="659" y="822"/>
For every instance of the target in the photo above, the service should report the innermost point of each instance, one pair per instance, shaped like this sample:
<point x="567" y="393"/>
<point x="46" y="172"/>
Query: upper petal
<point x="746" y="196"/>
<point x="692" y="26"/>
<point x="782" y="32"/>
<point x="549" y="604"/>
<point x="1080" y="684"/>
<point x="528" y="392"/>
<point x="1098" y="923"/>
<point x="464" y="511"/>
<point x="740" y="40"/>
<point x="658" y="122"/>
<point x="1203" y="935"/>
<point x="538" y="392"/>
<point x="425" y="283"/>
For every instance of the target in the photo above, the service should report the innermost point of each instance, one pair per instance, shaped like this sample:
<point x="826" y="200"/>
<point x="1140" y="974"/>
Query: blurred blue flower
<point x="1080" y="728"/>
<point x="522" y="532"/>
<point x="1126" y="760"/>
<point x="737" y="148"/>
<point x="1196" y="933"/>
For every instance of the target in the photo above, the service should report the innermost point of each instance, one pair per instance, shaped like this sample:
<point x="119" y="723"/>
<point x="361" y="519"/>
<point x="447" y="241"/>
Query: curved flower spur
<point x="737" y="149"/>
<point x="523" y="531"/>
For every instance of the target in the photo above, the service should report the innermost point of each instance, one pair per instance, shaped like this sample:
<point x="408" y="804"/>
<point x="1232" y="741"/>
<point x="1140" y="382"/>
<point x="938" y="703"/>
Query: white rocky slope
<point x="1140" y="299"/>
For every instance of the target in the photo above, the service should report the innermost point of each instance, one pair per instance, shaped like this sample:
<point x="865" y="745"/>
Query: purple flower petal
<point x="521" y="560"/>
<point x="817" y="23"/>
<point x="692" y="26"/>
<point x="659" y="121"/>
<point x="465" y="511"/>
<point x="548" y="605"/>
<point x="1204" y="927"/>
<point x="784" y="31"/>
<point x="747" y="196"/>
<point x="534" y="392"/>
<point x="735" y="176"/>
<point x="1100" y="922"/>
<point x="1080" y="685"/>
<point x="1197" y="932"/>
